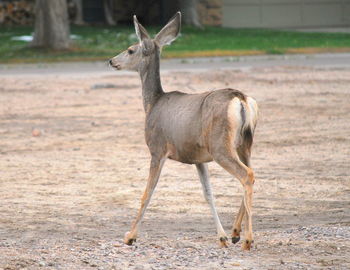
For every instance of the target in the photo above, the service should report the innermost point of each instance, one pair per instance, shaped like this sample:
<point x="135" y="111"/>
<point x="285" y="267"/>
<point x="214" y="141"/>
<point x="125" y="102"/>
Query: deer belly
<point x="190" y="154"/>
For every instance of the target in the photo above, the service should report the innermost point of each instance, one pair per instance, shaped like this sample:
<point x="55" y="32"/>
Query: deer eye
<point x="130" y="51"/>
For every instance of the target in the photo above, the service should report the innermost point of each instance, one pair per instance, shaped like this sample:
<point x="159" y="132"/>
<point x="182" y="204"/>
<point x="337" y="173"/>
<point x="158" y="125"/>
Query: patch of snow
<point x="23" y="38"/>
<point x="29" y="38"/>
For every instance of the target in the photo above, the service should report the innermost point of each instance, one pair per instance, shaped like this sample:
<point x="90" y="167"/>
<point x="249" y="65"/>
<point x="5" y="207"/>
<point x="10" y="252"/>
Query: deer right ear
<point x="141" y="32"/>
<point x="170" y="31"/>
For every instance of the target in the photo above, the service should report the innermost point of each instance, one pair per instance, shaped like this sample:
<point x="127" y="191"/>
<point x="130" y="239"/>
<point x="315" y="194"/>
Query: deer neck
<point x="151" y="85"/>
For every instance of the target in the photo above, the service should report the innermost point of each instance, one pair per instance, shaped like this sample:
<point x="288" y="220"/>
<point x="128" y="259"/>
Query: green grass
<point x="101" y="42"/>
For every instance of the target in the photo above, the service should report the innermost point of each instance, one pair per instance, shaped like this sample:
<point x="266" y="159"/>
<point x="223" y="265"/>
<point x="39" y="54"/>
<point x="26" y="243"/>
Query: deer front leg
<point x="155" y="169"/>
<point x="208" y="195"/>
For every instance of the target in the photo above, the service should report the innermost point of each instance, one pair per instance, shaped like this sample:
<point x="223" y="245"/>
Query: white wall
<point x="286" y="13"/>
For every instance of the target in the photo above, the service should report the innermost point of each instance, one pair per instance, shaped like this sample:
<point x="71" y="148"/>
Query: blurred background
<point x="73" y="158"/>
<point x="71" y="30"/>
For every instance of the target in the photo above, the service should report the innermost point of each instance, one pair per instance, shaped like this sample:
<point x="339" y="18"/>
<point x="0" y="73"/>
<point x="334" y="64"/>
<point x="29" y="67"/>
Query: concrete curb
<point x="324" y="60"/>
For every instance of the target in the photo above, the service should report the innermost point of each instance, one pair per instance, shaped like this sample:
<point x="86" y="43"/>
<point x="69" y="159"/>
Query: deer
<point x="193" y="129"/>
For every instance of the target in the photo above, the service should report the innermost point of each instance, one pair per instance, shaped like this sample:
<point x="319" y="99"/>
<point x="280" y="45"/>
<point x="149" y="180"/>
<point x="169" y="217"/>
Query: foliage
<point x="102" y="42"/>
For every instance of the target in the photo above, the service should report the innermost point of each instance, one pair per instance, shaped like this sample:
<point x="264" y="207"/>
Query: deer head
<point x="138" y="56"/>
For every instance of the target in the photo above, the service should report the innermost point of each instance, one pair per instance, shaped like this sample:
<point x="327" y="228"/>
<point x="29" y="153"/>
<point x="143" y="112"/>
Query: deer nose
<point x="110" y="62"/>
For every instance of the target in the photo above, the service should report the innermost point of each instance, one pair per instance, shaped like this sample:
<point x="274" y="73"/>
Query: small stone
<point x="103" y="85"/>
<point x="138" y="267"/>
<point x="36" y="132"/>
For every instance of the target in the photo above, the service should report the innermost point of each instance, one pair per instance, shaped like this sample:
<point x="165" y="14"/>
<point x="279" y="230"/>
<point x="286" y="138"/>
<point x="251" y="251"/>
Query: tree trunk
<point x="108" y="8"/>
<point x="189" y="12"/>
<point x="79" y="12"/>
<point x="51" y="28"/>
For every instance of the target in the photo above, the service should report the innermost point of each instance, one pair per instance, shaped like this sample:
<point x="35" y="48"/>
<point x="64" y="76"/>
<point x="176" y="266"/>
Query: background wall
<point x="228" y="13"/>
<point x="286" y="13"/>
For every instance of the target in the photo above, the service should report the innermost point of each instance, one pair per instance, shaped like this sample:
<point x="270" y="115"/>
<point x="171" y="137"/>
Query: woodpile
<point x="19" y="12"/>
<point x="210" y="12"/>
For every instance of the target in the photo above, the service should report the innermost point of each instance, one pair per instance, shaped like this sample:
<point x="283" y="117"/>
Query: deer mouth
<point x="117" y="67"/>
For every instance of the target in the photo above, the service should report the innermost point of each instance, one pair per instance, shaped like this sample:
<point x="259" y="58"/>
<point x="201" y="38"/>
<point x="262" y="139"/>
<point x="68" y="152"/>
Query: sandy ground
<point x="69" y="194"/>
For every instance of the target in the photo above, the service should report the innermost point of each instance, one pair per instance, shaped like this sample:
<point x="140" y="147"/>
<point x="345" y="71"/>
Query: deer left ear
<point x="170" y="31"/>
<point x="141" y="32"/>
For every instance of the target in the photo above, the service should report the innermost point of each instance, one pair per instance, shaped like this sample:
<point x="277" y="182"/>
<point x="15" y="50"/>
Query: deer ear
<point x="141" y="32"/>
<point x="170" y="31"/>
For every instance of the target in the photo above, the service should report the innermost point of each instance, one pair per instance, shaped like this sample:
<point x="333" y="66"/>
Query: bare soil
<point x="73" y="166"/>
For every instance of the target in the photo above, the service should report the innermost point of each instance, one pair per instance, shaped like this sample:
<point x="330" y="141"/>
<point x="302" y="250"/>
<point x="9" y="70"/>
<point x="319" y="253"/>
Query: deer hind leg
<point x="237" y="225"/>
<point x="155" y="169"/>
<point x="244" y="156"/>
<point x="209" y="197"/>
<point x="230" y="161"/>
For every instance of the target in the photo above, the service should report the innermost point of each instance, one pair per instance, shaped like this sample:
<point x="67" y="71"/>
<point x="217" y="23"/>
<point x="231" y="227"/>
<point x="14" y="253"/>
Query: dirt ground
<point x="73" y="166"/>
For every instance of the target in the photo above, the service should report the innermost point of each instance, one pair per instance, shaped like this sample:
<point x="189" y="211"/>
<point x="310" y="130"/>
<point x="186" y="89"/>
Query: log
<point x="19" y="12"/>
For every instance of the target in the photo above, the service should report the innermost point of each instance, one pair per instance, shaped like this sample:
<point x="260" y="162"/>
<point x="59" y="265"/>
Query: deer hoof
<point x="235" y="239"/>
<point x="129" y="240"/>
<point x="247" y="244"/>
<point x="223" y="242"/>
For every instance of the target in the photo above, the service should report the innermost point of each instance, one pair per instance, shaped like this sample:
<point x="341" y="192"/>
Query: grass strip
<point x="102" y="42"/>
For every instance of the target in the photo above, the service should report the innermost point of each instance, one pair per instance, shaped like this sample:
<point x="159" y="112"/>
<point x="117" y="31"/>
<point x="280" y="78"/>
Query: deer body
<point x="188" y="125"/>
<point x="192" y="129"/>
<point x="178" y="128"/>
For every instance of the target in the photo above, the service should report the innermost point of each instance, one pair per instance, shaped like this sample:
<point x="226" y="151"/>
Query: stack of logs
<point x="210" y="12"/>
<point x="19" y="12"/>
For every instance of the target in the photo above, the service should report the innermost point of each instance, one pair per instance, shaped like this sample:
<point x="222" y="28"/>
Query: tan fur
<point x="192" y="129"/>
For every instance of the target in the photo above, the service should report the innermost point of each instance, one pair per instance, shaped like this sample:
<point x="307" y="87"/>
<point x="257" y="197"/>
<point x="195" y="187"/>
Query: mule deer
<point x="192" y="129"/>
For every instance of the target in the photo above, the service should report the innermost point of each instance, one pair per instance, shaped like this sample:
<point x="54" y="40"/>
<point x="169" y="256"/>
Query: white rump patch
<point x="234" y="111"/>
<point x="235" y="118"/>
